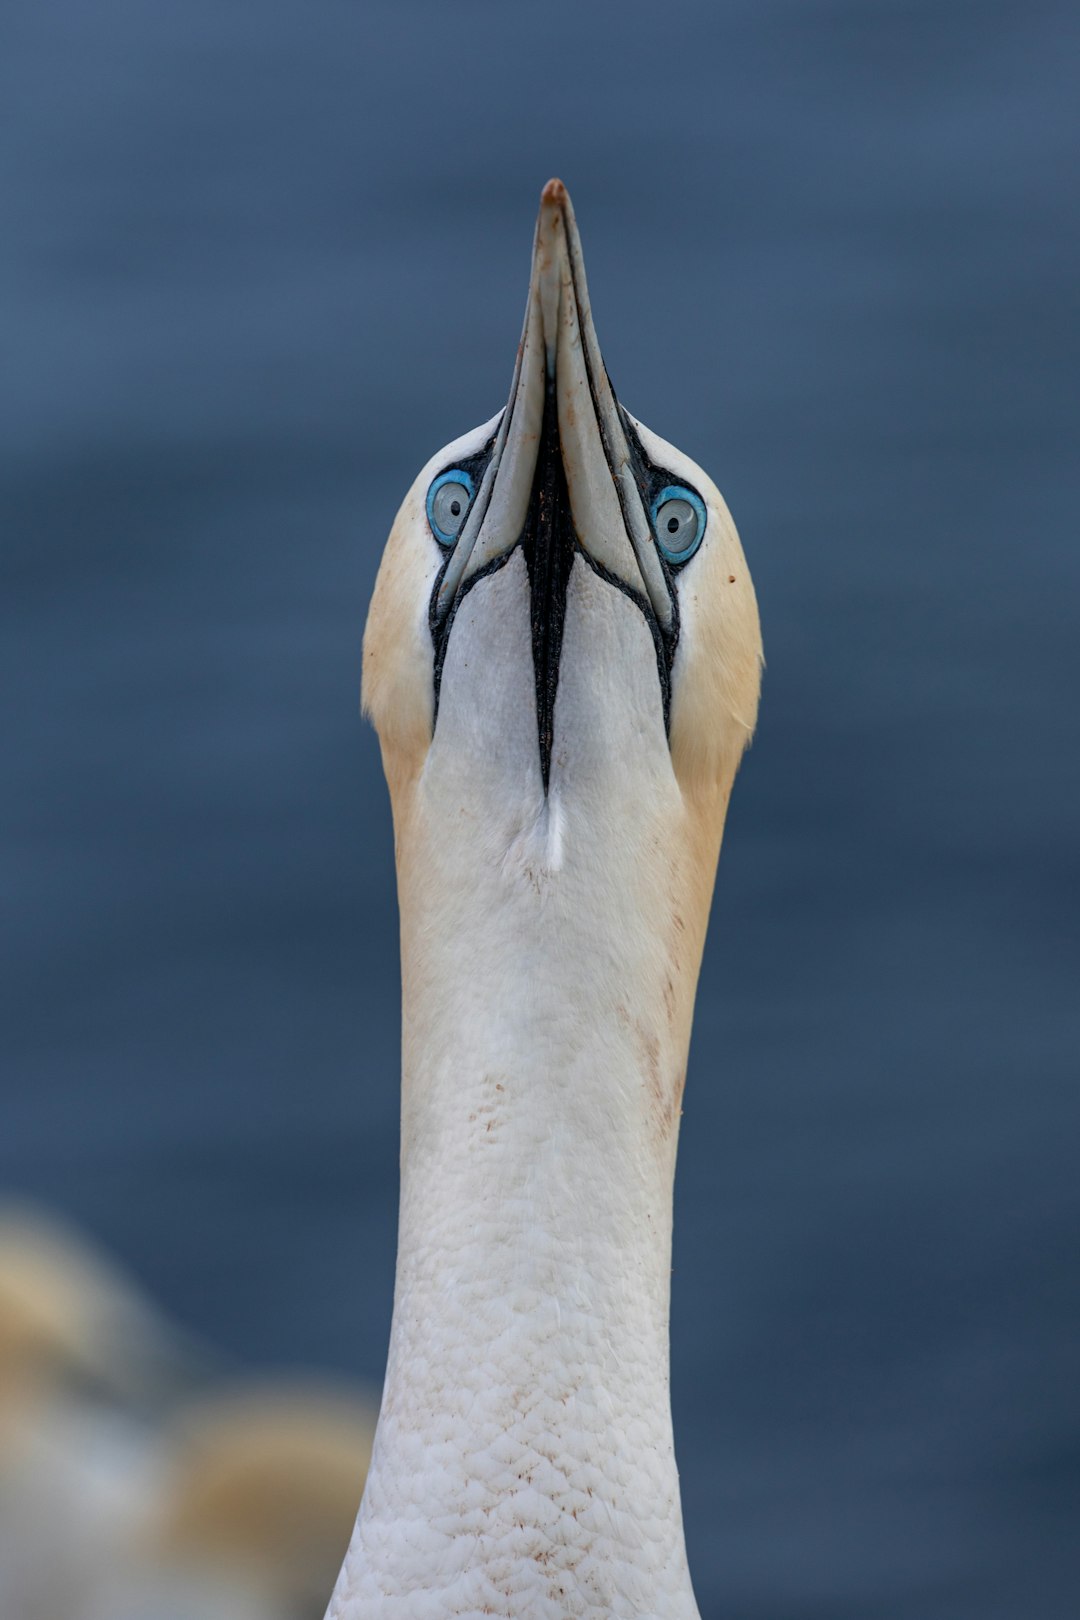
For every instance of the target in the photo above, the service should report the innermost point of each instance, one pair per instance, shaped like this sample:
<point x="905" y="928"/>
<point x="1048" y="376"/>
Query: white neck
<point x="524" y="1463"/>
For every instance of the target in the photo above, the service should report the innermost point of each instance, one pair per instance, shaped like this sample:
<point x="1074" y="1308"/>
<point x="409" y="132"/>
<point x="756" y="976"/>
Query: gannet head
<point x="563" y="611"/>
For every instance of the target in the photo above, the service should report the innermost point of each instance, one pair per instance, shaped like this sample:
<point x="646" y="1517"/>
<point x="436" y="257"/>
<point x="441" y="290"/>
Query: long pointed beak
<point x="559" y="366"/>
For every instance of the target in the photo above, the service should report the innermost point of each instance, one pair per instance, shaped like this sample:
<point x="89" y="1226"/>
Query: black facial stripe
<point x="548" y="543"/>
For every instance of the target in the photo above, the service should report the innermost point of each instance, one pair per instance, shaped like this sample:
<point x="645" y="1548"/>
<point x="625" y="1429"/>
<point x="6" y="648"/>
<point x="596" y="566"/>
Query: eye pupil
<point x="455" y="508"/>
<point x="673" y="525"/>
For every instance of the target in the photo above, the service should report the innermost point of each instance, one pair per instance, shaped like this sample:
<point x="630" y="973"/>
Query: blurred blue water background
<point x="257" y="263"/>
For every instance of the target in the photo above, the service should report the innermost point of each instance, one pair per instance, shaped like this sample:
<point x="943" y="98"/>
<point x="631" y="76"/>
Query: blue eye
<point x="448" y="502"/>
<point x="678" y="522"/>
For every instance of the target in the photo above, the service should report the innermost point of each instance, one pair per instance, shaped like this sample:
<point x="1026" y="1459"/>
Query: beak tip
<point x="554" y="194"/>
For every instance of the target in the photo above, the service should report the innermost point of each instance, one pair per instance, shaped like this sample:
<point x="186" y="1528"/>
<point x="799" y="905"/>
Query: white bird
<point x="80" y="1353"/>
<point x="260" y="1498"/>
<point x="125" y="1497"/>
<point x="562" y="661"/>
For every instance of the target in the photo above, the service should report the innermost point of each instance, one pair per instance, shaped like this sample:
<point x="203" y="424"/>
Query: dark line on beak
<point x="548" y="543"/>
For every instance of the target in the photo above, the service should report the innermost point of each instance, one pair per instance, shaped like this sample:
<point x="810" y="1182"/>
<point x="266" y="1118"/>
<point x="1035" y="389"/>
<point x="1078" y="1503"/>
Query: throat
<point x="524" y="1453"/>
